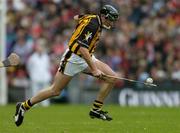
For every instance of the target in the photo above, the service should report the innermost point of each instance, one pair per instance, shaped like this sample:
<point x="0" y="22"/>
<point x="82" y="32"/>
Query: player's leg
<point x="46" y="102"/>
<point x="106" y="86"/>
<point x="105" y="89"/>
<point x="60" y="81"/>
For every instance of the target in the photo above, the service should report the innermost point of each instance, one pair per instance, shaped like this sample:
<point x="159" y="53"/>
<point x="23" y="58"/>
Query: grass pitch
<point x="75" y="119"/>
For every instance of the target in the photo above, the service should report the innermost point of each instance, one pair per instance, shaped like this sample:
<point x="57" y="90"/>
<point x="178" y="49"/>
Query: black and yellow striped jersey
<point x="86" y="34"/>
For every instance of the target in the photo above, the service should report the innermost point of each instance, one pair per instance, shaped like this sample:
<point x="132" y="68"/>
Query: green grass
<point x="75" y="119"/>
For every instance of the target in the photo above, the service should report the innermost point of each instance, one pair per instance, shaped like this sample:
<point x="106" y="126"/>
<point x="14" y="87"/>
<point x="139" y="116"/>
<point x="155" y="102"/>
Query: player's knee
<point x="56" y="93"/>
<point x="54" y="90"/>
<point x="114" y="75"/>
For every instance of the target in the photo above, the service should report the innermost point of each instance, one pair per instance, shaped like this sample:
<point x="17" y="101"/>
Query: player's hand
<point x="97" y="73"/>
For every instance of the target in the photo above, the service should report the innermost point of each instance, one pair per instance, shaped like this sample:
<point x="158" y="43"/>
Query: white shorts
<point x="72" y="64"/>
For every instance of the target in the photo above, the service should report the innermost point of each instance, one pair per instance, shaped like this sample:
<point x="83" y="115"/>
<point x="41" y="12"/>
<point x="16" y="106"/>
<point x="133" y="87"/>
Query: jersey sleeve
<point x="87" y="35"/>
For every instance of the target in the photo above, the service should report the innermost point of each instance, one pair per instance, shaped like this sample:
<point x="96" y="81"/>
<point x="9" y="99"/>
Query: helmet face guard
<point x="110" y="12"/>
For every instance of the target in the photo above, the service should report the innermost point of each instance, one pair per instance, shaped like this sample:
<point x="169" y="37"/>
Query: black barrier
<point x="166" y="94"/>
<point x="161" y="85"/>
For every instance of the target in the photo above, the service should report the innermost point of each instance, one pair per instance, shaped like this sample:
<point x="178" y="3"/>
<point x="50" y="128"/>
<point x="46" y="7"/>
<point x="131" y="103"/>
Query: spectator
<point x="176" y="73"/>
<point x="39" y="69"/>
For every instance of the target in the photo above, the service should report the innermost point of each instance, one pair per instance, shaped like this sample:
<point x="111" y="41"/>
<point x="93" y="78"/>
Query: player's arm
<point x="77" y="17"/>
<point x="85" y="54"/>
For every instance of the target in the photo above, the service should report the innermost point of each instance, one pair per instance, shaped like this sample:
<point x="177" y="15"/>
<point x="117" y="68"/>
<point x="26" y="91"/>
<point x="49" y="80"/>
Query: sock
<point x="97" y="105"/>
<point x="27" y="104"/>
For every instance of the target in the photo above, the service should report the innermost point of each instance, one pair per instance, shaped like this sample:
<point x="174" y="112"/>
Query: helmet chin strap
<point x="106" y="27"/>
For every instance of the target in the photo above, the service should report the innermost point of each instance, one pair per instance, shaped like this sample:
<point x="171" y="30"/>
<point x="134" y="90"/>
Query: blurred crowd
<point x="144" y="43"/>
